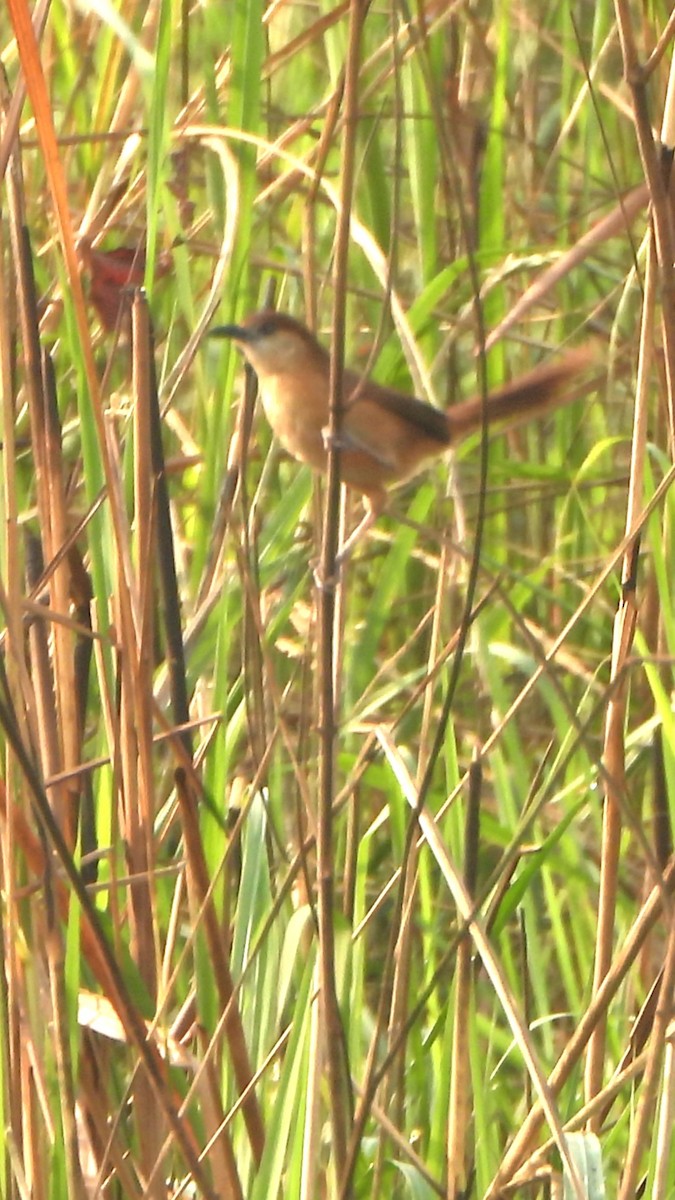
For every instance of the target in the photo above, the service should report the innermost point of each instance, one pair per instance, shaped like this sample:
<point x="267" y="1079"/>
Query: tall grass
<point x="355" y="894"/>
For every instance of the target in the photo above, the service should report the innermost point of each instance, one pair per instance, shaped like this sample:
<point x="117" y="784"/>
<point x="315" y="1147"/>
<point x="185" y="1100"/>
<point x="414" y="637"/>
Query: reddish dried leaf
<point x="114" y="275"/>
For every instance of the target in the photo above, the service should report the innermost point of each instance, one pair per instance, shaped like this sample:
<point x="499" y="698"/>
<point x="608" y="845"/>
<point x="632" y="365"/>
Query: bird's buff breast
<point x="298" y="428"/>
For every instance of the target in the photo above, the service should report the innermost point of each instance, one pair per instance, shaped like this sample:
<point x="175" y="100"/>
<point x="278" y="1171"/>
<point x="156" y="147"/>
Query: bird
<point x="386" y="436"/>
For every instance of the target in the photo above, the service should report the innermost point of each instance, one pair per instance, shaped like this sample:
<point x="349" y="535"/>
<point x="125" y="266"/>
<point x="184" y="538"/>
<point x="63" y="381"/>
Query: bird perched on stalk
<point x="386" y="436"/>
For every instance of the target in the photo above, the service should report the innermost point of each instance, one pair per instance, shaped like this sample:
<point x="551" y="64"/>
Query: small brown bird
<point x="386" y="436"/>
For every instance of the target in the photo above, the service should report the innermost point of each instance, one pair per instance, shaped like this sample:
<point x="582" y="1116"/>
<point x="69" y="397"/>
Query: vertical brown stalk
<point x="459" y="1110"/>
<point x="137" y="719"/>
<point x="661" y="207"/>
<point x="55" y="535"/>
<point x="166" y="556"/>
<point x="137" y="650"/>
<point x="56" y="730"/>
<point x="614" y="745"/>
<point x="332" y="1027"/>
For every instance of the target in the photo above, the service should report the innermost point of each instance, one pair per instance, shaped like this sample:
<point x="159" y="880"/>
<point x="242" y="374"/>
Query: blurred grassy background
<point x="198" y="151"/>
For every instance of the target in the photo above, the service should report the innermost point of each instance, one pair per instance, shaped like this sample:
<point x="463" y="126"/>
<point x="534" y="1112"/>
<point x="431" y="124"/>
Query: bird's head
<point x="274" y="343"/>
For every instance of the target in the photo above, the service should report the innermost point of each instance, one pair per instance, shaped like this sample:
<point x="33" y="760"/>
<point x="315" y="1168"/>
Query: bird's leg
<point x="368" y="519"/>
<point x="373" y="508"/>
<point x="373" y="503"/>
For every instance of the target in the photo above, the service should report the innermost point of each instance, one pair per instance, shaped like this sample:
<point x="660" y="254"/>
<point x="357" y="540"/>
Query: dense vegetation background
<point x="481" y="961"/>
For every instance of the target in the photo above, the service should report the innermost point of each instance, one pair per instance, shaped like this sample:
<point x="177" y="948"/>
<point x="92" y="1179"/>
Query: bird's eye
<point x="266" y="328"/>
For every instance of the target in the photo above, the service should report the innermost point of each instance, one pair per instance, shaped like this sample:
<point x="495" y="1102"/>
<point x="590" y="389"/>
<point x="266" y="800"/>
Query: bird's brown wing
<point x="420" y="417"/>
<point x="386" y="436"/>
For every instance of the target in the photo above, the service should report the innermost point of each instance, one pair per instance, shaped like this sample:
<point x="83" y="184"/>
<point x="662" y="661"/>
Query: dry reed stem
<point x="624" y="631"/>
<point x="335" y="1046"/>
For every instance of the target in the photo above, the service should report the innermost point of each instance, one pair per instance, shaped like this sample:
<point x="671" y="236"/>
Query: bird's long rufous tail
<point x="543" y="388"/>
